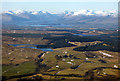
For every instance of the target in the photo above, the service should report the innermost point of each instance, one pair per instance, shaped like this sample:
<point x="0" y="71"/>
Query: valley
<point x="60" y="40"/>
<point x="79" y="57"/>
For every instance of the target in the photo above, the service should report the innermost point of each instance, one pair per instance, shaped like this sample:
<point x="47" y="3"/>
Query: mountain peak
<point x="20" y="11"/>
<point x="9" y="12"/>
<point x="96" y="13"/>
<point x="70" y="13"/>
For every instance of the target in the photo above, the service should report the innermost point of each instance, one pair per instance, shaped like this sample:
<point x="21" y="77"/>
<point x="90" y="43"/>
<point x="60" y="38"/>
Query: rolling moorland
<point x="75" y="54"/>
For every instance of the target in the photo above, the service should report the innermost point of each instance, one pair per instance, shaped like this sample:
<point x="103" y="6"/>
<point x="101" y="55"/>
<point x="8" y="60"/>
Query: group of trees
<point x="111" y="40"/>
<point x="96" y="47"/>
<point x="59" y="57"/>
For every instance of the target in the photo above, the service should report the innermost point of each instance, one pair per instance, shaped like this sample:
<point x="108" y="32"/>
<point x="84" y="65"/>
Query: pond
<point x="45" y="49"/>
<point x="33" y="46"/>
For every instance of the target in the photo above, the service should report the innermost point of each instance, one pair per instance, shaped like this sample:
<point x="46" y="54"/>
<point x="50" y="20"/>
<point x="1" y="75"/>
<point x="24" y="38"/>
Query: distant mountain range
<point x="81" y="12"/>
<point x="87" y="18"/>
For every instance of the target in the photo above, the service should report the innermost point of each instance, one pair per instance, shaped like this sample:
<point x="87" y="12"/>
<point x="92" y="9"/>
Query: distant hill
<point x="82" y="18"/>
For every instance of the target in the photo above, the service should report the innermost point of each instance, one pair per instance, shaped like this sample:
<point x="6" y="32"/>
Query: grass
<point x="25" y="68"/>
<point x="111" y="71"/>
<point x="16" y="55"/>
<point x="49" y="59"/>
<point x="4" y="68"/>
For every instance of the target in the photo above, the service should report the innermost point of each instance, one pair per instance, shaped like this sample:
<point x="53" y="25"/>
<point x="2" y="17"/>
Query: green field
<point x="25" y="68"/>
<point x="63" y="62"/>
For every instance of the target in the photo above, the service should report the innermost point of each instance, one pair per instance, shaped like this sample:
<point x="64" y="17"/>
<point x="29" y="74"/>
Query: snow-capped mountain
<point x="8" y="12"/>
<point x="79" y="18"/>
<point x="96" y="13"/>
<point x="80" y="12"/>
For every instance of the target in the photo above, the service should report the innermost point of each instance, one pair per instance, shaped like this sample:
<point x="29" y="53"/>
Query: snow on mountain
<point x="80" y="12"/>
<point x="114" y="13"/>
<point x="84" y="12"/>
<point x="96" y="13"/>
<point x="20" y="12"/>
<point x="44" y="12"/>
<point x="91" y="12"/>
<point x="88" y="18"/>
<point x="15" y="12"/>
<point x="39" y="12"/>
<point x="101" y="13"/>
<point x="34" y="13"/>
<point x="9" y="12"/>
<point x="68" y="13"/>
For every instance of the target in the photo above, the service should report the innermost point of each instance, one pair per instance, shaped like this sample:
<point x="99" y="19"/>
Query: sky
<point x="52" y="6"/>
<point x="59" y="0"/>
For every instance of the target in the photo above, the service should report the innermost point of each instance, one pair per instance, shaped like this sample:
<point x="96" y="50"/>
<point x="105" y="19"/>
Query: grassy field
<point x="24" y="68"/>
<point x="64" y="67"/>
<point x="20" y="61"/>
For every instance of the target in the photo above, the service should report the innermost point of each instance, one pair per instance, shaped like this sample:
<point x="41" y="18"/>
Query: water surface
<point x="84" y="35"/>
<point x="33" y="46"/>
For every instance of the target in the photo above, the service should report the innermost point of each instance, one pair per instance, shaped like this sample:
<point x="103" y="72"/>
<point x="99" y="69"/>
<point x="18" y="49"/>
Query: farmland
<point x="73" y="57"/>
